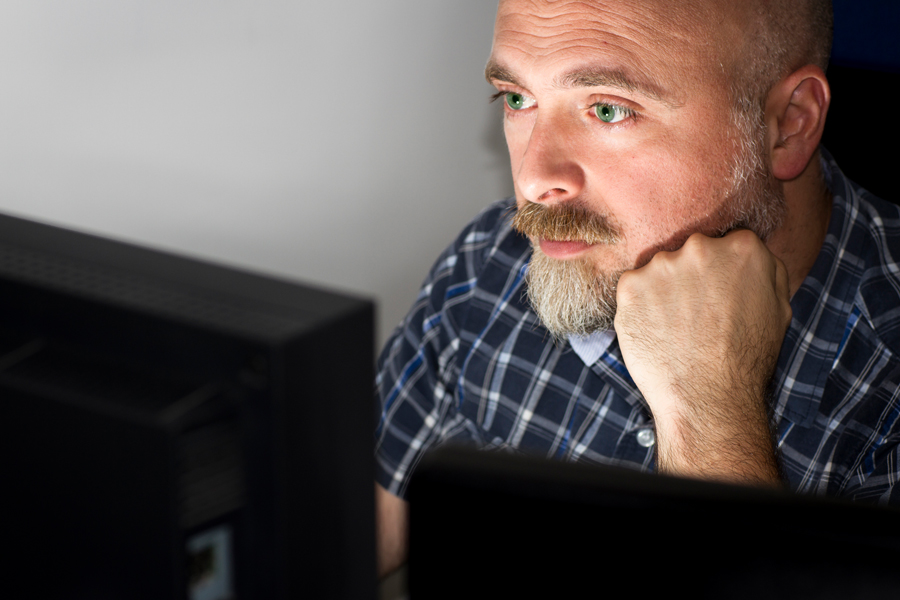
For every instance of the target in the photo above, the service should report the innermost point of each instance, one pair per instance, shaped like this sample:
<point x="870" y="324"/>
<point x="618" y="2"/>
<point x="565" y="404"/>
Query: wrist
<point x="735" y="449"/>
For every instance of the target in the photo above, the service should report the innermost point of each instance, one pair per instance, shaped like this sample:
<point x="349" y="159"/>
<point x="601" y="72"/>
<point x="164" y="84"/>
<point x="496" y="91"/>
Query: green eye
<point x="610" y="113"/>
<point x="518" y="101"/>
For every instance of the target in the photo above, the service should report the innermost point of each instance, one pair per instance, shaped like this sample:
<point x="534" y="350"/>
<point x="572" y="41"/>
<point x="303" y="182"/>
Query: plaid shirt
<point x="472" y="363"/>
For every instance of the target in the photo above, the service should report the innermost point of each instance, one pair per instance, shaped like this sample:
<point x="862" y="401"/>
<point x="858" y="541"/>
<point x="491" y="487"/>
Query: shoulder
<point x="419" y="367"/>
<point x="466" y="268"/>
<point x="871" y="245"/>
<point x="489" y="230"/>
<point x="486" y="238"/>
<point x="879" y="289"/>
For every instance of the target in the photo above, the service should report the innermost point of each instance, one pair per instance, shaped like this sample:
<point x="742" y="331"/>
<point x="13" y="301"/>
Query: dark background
<point x="867" y="34"/>
<point x="862" y="129"/>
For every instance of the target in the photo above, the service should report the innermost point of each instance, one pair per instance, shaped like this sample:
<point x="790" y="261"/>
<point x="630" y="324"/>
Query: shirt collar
<point x="591" y="347"/>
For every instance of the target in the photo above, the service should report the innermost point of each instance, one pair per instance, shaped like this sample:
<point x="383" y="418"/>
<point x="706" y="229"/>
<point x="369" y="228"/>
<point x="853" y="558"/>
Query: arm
<point x="415" y="385"/>
<point x="392" y="523"/>
<point x="700" y="330"/>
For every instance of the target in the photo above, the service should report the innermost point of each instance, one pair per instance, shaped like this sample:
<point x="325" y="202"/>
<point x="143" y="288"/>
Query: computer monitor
<point x="176" y="429"/>
<point x="499" y="525"/>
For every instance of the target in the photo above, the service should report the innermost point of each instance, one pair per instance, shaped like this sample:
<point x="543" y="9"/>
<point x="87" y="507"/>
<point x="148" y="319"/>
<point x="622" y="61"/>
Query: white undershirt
<point x="590" y="348"/>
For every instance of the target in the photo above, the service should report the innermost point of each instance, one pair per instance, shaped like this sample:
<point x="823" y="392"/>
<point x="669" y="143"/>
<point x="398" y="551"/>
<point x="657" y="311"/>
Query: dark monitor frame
<point x="148" y="397"/>
<point x="493" y="524"/>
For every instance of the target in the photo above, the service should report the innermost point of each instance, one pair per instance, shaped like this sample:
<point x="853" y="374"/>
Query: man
<point x="707" y="295"/>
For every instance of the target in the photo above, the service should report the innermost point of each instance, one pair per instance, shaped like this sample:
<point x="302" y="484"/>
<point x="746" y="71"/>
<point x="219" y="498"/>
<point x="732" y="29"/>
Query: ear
<point x="795" y="115"/>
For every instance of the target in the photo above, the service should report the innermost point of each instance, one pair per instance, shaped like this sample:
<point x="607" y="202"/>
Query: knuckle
<point x="697" y="248"/>
<point x="740" y="243"/>
<point x="747" y="241"/>
<point x="624" y="288"/>
<point x="695" y="242"/>
<point x="660" y="263"/>
<point x="627" y="290"/>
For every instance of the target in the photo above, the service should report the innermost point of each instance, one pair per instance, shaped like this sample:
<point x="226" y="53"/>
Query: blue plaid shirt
<point x="472" y="363"/>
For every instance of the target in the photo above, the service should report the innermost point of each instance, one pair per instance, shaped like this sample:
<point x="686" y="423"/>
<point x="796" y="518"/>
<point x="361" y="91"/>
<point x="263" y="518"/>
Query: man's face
<point x="621" y="109"/>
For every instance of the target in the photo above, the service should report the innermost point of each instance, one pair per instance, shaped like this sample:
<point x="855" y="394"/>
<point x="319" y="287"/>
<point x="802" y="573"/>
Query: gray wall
<point x="338" y="143"/>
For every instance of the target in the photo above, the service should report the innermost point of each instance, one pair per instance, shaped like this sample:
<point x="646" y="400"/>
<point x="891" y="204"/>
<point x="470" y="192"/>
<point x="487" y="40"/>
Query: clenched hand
<point x="700" y="330"/>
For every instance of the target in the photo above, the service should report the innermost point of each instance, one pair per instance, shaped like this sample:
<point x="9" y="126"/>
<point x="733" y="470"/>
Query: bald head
<point x="780" y="36"/>
<point x="761" y="41"/>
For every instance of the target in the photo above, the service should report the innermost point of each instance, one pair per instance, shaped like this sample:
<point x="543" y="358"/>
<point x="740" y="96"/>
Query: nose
<point x="549" y="170"/>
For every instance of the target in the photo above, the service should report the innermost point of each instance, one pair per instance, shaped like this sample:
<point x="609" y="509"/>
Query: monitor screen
<point x="177" y="429"/>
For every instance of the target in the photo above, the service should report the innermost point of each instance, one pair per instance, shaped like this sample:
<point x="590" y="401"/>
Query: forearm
<point x="392" y="518"/>
<point x="700" y="330"/>
<point x="736" y="448"/>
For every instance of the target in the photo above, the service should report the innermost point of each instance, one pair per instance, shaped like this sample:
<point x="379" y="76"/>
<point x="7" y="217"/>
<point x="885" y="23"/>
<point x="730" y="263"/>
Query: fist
<point x="700" y="330"/>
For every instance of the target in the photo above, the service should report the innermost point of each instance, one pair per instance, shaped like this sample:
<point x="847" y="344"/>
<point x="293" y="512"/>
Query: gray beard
<point x="571" y="297"/>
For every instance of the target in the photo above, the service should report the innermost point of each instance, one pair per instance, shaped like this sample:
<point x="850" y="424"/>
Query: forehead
<point x="663" y="42"/>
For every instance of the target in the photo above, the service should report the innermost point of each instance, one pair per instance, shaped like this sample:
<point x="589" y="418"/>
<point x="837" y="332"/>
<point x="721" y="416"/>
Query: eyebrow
<point x="590" y="77"/>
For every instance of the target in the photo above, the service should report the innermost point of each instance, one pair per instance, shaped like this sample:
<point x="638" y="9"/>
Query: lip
<point x="561" y="249"/>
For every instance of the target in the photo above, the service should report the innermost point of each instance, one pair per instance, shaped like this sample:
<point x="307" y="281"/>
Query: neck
<point x="798" y="241"/>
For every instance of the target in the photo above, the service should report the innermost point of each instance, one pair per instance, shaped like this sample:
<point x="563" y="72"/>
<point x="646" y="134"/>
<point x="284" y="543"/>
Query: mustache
<point x="565" y="222"/>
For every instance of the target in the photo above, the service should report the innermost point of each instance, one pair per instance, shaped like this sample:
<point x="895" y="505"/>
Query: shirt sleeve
<point x="418" y="369"/>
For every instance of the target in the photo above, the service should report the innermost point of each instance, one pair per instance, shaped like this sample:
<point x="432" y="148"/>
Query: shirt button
<point x="646" y="437"/>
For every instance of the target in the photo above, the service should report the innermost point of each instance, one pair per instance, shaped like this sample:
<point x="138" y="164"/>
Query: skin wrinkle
<point x="687" y="31"/>
<point x="633" y="40"/>
<point x="608" y="77"/>
<point x="584" y="77"/>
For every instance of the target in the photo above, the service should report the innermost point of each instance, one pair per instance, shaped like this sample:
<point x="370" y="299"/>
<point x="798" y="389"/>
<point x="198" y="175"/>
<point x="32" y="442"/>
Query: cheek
<point x="516" y="143"/>
<point x="656" y="183"/>
<point x="655" y="195"/>
<point x="639" y="185"/>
